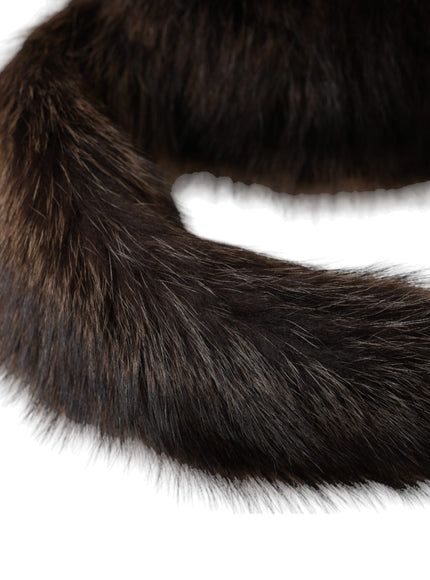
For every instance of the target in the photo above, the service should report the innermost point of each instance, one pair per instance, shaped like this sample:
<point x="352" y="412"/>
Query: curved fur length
<point x="115" y="316"/>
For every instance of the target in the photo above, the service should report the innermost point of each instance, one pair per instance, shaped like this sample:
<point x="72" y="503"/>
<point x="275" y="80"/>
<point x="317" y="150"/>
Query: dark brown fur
<point x="115" y="316"/>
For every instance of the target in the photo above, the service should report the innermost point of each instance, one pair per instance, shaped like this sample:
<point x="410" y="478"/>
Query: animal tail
<point x="113" y="315"/>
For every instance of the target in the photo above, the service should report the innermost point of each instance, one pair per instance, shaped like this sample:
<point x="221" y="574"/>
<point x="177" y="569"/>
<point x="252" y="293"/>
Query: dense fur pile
<point x="115" y="316"/>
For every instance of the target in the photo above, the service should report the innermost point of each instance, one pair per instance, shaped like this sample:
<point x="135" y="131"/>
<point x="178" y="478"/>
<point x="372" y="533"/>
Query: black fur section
<point x="115" y="316"/>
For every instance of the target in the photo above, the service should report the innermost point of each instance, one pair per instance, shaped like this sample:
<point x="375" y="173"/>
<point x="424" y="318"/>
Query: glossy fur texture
<point x="113" y="315"/>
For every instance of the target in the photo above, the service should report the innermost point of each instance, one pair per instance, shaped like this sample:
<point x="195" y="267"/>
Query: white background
<point x="66" y="512"/>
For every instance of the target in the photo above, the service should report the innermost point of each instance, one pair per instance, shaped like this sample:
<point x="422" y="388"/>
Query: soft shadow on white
<point x="383" y="228"/>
